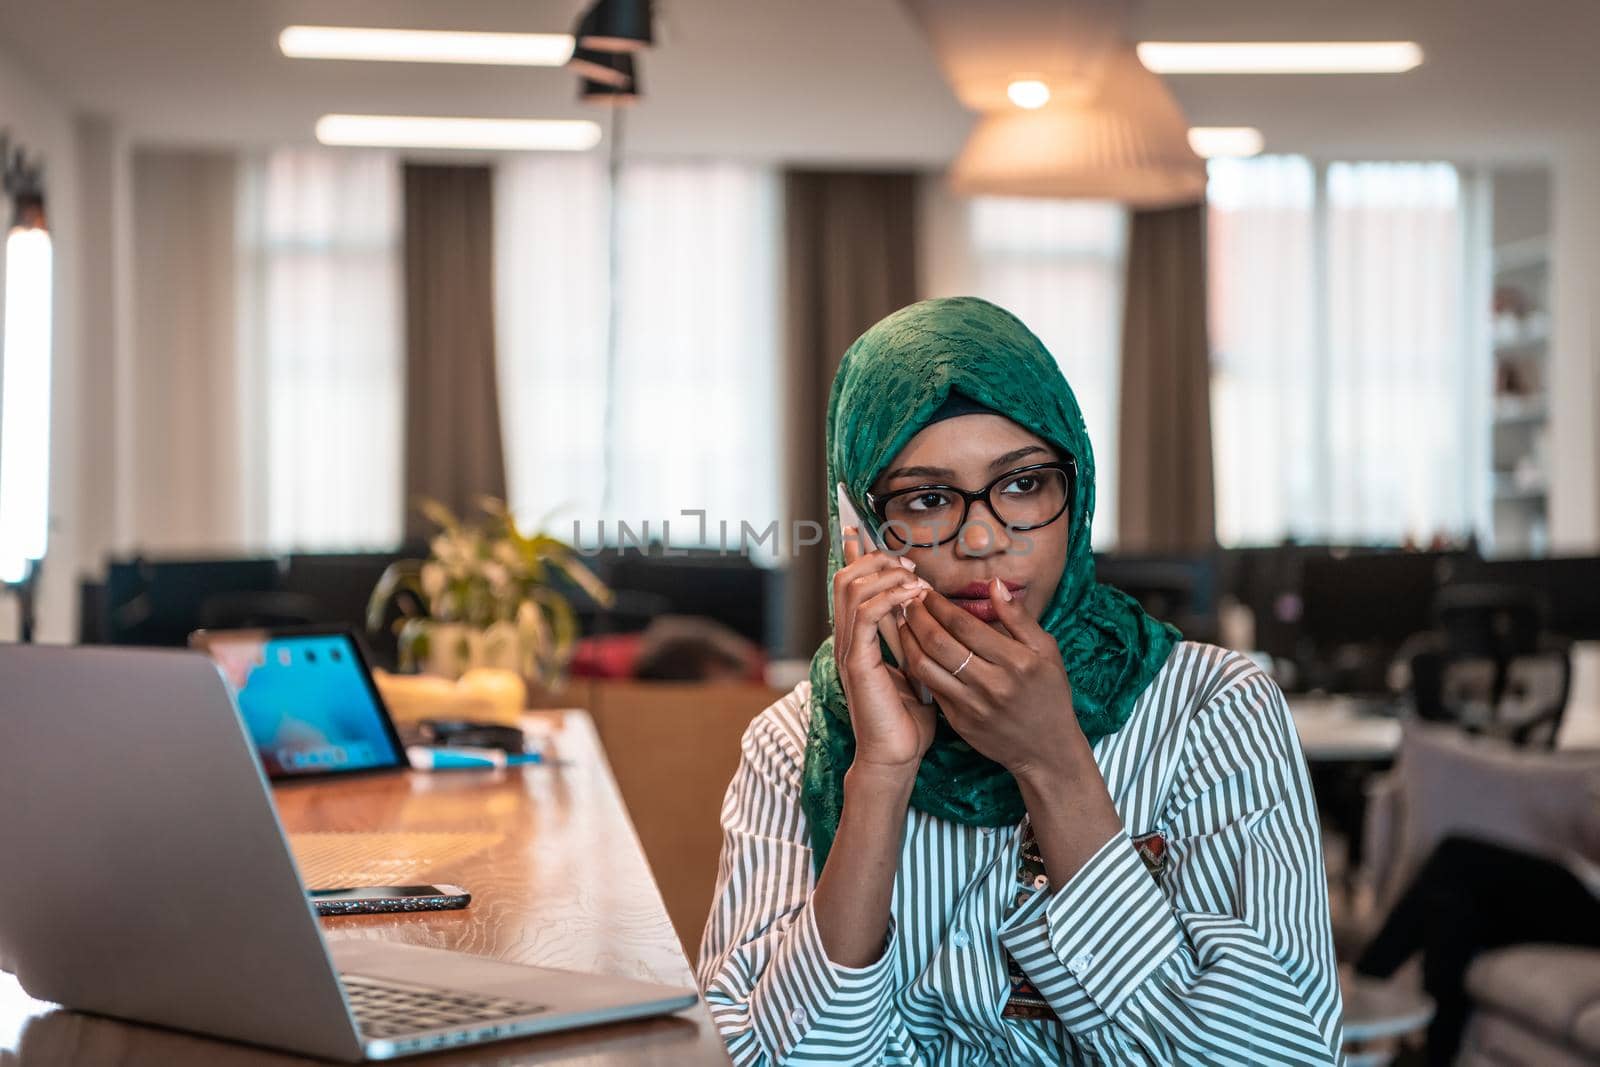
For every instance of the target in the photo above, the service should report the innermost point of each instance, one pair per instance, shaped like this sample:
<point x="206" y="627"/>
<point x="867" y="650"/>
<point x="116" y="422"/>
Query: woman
<point x="1097" y="846"/>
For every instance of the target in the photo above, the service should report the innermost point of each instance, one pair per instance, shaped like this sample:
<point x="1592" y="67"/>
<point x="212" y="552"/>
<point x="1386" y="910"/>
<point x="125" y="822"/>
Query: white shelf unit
<point x="1520" y="331"/>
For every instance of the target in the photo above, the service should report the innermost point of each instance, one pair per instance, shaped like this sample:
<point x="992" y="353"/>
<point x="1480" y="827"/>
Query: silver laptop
<point x="144" y="875"/>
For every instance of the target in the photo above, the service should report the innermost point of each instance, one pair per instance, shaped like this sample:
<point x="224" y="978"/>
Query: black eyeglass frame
<point x="879" y="502"/>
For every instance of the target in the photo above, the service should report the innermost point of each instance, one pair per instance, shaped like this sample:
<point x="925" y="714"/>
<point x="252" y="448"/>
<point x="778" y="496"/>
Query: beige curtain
<point x="851" y="258"/>
<point x="453" y="450"/>
<point x="1164" y="484"/>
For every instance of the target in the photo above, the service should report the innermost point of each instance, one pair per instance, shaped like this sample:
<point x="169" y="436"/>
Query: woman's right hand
<point x="893" y="728"/>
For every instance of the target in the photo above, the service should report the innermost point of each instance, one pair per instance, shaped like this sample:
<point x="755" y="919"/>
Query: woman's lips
<point x="982" y="608"/>
<point x="980" y="590"/>
<point x="974" y="598"/>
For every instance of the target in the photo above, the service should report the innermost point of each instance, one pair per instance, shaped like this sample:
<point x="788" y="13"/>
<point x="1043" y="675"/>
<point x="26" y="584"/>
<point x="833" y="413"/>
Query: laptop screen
<point x="307" y="701"/>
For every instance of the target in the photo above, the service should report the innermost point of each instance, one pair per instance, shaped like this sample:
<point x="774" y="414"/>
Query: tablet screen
<point x="307" y="701"/>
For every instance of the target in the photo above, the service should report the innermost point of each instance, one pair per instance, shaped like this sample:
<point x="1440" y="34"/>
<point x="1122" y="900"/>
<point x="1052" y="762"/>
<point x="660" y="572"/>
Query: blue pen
<point x="444" y="758"/>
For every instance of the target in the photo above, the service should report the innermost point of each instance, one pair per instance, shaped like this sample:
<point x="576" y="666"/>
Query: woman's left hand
<point x="1013" y="703"/>
<point x="1013" y="700"/>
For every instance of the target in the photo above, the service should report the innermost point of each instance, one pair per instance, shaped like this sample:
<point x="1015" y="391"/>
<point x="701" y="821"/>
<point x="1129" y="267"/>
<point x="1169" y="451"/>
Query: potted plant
<point x="488" y="596"/>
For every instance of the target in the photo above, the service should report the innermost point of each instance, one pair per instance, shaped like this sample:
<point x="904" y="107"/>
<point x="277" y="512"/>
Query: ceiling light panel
<point x="1280" y="57"/>
<point x="426" y="46"/>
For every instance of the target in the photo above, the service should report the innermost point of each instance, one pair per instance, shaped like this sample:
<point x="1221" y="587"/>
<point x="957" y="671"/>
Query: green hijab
<point x="890" y="381"/>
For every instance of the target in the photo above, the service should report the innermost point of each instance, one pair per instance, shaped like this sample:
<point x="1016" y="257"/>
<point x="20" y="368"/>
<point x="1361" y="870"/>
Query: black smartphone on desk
<point x="376" y="899"/>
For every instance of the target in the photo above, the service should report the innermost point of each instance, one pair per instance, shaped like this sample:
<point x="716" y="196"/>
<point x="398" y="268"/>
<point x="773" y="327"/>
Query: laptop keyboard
<point x="388" y="1009"/>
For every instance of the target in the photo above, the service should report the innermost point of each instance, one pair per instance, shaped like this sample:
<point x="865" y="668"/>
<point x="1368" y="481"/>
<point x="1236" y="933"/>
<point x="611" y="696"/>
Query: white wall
<point x="1575" y="352"/>
<point x="1521" y="205"/>
<point x="944" y="254"/>
<point x="179" y="461"/>
<point x="105" y="285"/>
<point x="121" y="479"/>
<point x="40" y="120"/>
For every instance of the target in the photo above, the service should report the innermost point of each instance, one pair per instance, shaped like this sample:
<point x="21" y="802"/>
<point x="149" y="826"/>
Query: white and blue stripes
<point x="1226" y="959"/>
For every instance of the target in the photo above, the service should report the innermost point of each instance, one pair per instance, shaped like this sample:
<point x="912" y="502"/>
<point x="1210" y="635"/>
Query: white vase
<point x="453" y="649"/>
<point x="500" y="647"/>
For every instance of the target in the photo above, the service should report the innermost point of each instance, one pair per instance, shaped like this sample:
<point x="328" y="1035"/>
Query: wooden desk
<point x="564" y="884"/>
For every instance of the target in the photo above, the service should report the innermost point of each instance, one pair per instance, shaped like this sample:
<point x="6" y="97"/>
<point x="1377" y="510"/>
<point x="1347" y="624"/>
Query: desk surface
<point x="558" y="880"/>
<point x="1334" y="728"/>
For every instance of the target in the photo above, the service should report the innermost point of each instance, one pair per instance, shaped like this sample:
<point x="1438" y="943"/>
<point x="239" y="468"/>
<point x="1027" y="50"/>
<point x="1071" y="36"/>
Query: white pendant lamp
<point x="1118" y="135"/>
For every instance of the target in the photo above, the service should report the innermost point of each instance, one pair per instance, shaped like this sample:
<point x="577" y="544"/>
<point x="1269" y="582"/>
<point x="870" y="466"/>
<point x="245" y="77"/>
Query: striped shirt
<point x="1225" y="957"/>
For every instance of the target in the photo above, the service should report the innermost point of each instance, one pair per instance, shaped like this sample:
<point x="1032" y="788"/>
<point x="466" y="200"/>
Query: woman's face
<point x="970" y="451"/>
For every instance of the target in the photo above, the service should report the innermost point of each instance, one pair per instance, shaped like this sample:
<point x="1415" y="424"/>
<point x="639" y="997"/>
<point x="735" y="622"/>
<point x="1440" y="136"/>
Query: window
<point x="688" y="418"/>
<point x="1344" y="378"/>
<point x="1058" y="266"/>
<point x="550" y="310"/>
<point x="1259" y="249"/>
<point x="321" y="340"/>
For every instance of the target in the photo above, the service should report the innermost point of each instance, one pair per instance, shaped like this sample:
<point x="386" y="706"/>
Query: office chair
<point x="1491" y="667"/>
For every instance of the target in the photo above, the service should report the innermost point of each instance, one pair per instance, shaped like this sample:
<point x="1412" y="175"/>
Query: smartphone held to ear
<point x="849" y="517"/>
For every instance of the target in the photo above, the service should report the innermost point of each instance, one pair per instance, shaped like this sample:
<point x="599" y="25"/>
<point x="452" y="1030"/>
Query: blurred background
<point x="1322" y="277"/>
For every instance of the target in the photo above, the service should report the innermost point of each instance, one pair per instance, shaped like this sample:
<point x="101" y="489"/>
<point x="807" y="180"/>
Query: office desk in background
<point x="1337" y="729"/>
<point x="557" y="879"/>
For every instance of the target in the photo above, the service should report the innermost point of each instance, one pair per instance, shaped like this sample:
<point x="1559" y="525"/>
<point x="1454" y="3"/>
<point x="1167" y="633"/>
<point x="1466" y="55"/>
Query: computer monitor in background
<point x="1570" y="588"/>
<point x="1358" y="609"/>
<point x="160" y="602"/>
<point x="1176" y="589"/>
<point x="730" y="588"/>
<point x="1377" y="597"/>
<point x="340" y="586"/>
<point x="1266" y="579"/>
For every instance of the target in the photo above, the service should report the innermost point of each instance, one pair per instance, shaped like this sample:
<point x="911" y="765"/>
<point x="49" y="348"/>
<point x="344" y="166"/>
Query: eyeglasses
<point x="925" y="516"/>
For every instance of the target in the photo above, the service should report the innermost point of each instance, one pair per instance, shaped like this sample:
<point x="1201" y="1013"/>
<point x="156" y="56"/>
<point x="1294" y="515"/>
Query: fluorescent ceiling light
<point x="426" y="46"/>
<point x="1211" y="142"/>
<point x="1029" y="93"/>
<point x="1280" y="57"/>
<point x="417" y="131"/>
